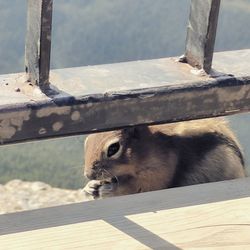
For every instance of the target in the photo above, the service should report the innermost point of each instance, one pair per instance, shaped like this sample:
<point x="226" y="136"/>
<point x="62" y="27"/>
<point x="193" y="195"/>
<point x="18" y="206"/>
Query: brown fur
<point x="162" y="156"/>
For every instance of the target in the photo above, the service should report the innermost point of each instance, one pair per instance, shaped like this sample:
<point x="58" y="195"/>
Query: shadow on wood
<point x="120" y="207"/>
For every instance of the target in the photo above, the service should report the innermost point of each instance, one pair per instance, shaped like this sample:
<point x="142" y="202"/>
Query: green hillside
<point x="89" y="32"/>
<point x="57" y="162"/>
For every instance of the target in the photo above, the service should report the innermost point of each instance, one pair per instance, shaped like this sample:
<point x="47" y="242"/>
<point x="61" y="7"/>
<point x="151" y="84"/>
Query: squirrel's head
<point x="131" y="160"/>
<point x="110" y="154"/>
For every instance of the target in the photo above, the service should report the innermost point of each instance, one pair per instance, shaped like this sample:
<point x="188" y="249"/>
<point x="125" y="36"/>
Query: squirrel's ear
<point x="136" y="132"/>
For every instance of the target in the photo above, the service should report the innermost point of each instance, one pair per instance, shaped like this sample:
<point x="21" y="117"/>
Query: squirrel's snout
<point x="92" y="172"/>
<point x="91" y="175"/>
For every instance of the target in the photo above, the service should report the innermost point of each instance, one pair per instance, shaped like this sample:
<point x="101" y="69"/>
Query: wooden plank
<point x="201" y="33"/>
<point x="206" y="216"/>
<point x="38" y="41"/>
<point x="107" y="97"/>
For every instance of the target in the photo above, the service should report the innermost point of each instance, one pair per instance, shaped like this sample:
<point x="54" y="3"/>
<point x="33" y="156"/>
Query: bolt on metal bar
<point x="38" y="42"/>
<point x="201" y="33"/>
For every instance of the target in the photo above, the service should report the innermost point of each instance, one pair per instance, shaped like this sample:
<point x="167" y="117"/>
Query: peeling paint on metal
<point x="75" y="116"/>
<point x="42" y="131"/>
<point x="45" y="112"/>
<point x="88" y="105"/>
<point x="10" y="123"/>
<point x="57" y="126"/>
<point x="233" y="93"/>
<point x="6" y="130"/>
<point x="147" y="96"/>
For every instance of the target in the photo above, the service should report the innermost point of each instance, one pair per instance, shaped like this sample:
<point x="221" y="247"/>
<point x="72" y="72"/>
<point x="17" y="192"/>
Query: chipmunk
<point x="147" y="158"/>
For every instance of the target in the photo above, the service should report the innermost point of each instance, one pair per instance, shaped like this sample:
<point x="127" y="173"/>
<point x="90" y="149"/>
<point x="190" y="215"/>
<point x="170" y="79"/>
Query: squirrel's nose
<point x="91" y="173"/>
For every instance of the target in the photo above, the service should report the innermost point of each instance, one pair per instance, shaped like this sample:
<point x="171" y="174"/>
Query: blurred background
<point x="88" y="32"/>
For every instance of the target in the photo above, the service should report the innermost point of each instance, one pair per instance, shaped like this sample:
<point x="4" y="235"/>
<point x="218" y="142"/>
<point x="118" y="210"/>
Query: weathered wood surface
<point x="201" y="33"/>
<point x="38" y="41"/>
<point x="106" y="97"/>
<point x="207" y="216"/>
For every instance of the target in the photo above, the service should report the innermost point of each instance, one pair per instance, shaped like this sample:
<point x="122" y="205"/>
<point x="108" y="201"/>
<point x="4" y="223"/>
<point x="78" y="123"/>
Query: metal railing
<point x="41" y="104"/>
<point x="199" y="43"/>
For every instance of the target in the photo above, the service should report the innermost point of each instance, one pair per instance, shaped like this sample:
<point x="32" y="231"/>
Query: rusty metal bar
<point x="129" y="94"/>
<point x="38" y="42"/>
<point x="201" y="33"/>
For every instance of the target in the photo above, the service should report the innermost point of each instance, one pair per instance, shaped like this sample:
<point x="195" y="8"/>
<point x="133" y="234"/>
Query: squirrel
<point x="148" y="158"/>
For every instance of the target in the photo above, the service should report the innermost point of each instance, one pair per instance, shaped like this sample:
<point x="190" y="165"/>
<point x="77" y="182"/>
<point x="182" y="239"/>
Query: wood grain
<point x="206" y="216"/>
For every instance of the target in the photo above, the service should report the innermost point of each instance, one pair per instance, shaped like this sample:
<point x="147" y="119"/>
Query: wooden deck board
<point x="207" y="216"/>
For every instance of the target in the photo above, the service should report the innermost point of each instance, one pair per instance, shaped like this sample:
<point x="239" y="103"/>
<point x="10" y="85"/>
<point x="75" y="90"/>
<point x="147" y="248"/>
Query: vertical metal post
<point x="201" y="33"/>
<point x="38" y="42"/>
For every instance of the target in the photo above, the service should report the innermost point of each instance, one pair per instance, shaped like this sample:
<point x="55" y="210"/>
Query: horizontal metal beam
<point x="106" y="97"/>
<point x="201" y="33"/>
<point x="38" y="42"/>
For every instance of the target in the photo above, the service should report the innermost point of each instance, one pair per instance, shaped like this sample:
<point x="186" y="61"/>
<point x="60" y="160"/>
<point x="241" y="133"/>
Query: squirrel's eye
<point x="113" y="149"/>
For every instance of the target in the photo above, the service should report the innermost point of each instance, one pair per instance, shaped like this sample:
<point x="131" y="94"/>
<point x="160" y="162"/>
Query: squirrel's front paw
<point x="100" y="189"/>
<point x="107" y="189"/>
<point x="91" y="190"/>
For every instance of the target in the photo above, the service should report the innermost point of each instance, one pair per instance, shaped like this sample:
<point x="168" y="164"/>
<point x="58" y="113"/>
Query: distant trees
<point x="57" y="162"/>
